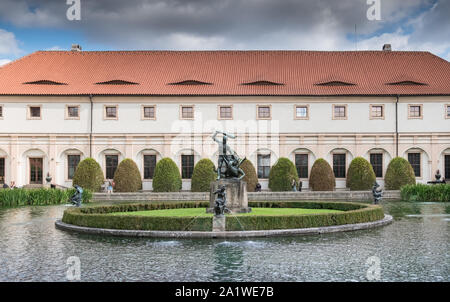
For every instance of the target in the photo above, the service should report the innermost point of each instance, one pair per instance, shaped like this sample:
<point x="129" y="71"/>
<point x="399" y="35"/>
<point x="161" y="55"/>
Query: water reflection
<point x="414" y="248"/>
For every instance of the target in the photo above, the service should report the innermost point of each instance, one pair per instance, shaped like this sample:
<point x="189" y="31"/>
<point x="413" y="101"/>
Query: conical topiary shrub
<point x="360" y="175"/>
<point x="167" y="176"/>
<point x="88" y="175"/>
<point x="281" y="175"/>
<point x="398" y="174"/>
<point x="322" y="176"/>
<point x="127" y="177"/>
<point x="251" y="178"/>
<point x="202" y="176"/>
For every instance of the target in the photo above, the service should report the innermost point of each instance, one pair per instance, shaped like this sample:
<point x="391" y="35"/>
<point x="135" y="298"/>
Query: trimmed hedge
<point x="98" y="217"/>
<point x="281" y="175"/>
<point x="422" y="192"/>
<point x="322" y="176"/>
<point x="89" y="175"/>
<point x="360" y="175"/>
<point x="398" y="174"/>
<point x="167" y="177"/>
<point x="203" y="175"/>
<point x="251" y="178"/>
<point x="37" y="197"/>
<point x="127" y="177"/>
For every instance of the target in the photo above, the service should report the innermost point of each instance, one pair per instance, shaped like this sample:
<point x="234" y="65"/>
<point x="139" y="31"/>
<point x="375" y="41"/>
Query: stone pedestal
<point x="237" y="201"/>
<point x="219" y="223"/>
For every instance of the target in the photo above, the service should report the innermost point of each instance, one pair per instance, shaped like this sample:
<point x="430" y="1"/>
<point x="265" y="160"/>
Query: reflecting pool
<point x="415" y="247"/>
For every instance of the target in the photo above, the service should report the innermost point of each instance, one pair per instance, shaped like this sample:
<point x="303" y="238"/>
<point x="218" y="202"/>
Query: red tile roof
<point x="299" y="72"/>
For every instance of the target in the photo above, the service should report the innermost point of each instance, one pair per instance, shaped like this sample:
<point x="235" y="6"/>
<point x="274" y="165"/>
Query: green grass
<point x="194" y="212"/>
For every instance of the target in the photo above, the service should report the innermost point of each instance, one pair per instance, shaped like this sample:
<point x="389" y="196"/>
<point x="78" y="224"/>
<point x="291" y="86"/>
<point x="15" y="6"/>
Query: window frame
<point x="264" y="118"/>
<point x="106" y="165"/>
<point x="372" y="117"/>
<point x="144" y="168"/>
<point x="382" y="163"/>
<point x="143" y="117"/>
<point x="3" y="158"/>
<point x="301" y="117"/>
<point x="105" y="116"/>
<point x="187" y="118"/>
<point x="29" y="117"/>
<point x="307" y="164"/>
<point x="67" y="115"/>
<point x="257" y="165"/>
<point x="446" y="111"/>
<point x="2" y="111"/>
<point x="67" y="165"/>
<point x="345" y="111"/>
<point x="420" y="163"/>
<point x="345" y="165"/>
<point x="410" y="117"/>
<point x="219" y="117"/>
<point x="182" y="166"/>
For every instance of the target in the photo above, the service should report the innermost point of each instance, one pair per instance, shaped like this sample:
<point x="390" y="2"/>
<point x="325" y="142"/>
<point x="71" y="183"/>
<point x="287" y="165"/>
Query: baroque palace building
<point x="58" y="107"/>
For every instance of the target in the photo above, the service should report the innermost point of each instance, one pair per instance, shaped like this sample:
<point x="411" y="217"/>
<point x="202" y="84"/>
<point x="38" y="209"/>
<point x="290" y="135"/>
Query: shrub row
<point x="421" y="192"/>
<point x="97" y="217"/>
<point x="41" y="196"/>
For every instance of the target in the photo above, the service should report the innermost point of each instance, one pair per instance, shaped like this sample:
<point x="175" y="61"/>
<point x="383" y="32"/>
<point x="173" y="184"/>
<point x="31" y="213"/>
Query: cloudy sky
<point x="30" y="25"/>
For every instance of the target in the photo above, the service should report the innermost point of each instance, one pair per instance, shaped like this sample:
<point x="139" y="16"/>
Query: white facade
<point x="320" y="134"/>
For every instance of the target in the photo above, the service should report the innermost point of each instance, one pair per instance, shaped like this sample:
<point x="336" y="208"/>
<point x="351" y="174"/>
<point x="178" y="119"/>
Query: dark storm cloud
<point x="217" y="24"/>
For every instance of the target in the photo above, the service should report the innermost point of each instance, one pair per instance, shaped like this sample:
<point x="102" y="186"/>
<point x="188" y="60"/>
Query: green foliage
<point x="37" y="197"/>
<point x="202" y="176"/>
<point x="127" y="177"/>
<point x="398" y="174"/>
<point x="89" y="175"/>
<point x="97" y="216"/>
<point x="422" y="192"/>
<point x="322" y="176"/>
<point x="281" y="175"/>
<point x="251" y="178"/>
<point x="360" y="175"/>
<point x="166" y="177"/>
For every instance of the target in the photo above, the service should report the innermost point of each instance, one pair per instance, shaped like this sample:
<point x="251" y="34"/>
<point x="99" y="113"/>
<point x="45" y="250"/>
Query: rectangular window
<point x="149" y="112"/>
<point x="149" y="166"/>
<point x="376" y="160"/>
<point x="111" y="112"/>
<point x="339" y="111"/>
<point x="36" y="165"/>
<point x="111" y="165"/>
<point x="264" y="112"/>
<point x="263" y="165"/>
<point x="415" y="111"/>
<point x="35" y="112"/>
<point x="301" y="163"/>
<point x="1" y="111"/>
<point x="73" y="112"/>
<point x="339" y="165"/>
<point x="187" y="166"/>
<point x="187" y="112"/>
<point x="72" y="163"/>
<point x="225" y="112"/>
<point x="376" y="111"/>
<point x="447" y="166"/>
<point x="2" y="170"/>
<point x="414" y="160"/>
<point x="447" y="111"/>
<point x="301" y="112"/>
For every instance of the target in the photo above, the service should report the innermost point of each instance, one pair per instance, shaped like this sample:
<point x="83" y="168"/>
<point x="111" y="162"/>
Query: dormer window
<point x="44" y="82"/>
<point x="117" y="82"/>
<point x="335" y="83"/>
<point x="190" y="82"/>
<point x="407" y="83"/>
<point x="262" y="83"/>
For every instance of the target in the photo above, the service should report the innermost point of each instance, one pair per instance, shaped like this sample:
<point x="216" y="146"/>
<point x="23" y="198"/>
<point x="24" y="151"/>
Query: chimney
<point x="387" y="47"/>
<point x="76" y="47"/>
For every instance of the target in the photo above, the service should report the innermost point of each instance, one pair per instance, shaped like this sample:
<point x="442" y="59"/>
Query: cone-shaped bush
<point x="281" y="175"/>
<point x="250" y="175"/>
<point x="202" y="176"/>
<point x="166" y="177"/>
<point x="360" y="175"/>
<point x="398" y="174"/>
<point x="127" y="177"/>
<point x="89" y="175"/>
<point x="322" y="176"/>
